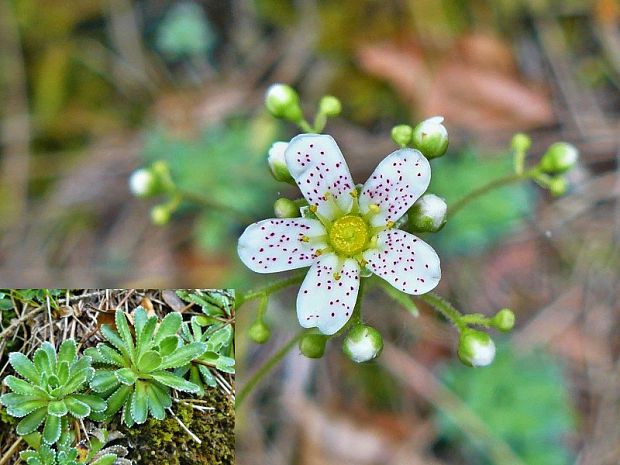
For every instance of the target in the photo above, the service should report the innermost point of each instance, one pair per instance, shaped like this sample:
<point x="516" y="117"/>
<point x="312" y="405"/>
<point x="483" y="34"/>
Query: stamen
<point x="337" y="276"/>
<point x="304" y="239"/>
<point x="390" y="225"/>
<point x="355" y="205"/>
<point x="373" y="209"/>
<point x="324" y="221"/>
<point x="331" y="201"/>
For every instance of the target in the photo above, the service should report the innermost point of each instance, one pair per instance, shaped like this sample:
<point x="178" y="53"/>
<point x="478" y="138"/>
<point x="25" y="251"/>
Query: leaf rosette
<point x="137" y="377"/>
<point x="50" y="390"/>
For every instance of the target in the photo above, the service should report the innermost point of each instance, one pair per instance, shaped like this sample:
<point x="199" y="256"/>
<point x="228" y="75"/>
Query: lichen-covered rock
<point x="166" y="443"/>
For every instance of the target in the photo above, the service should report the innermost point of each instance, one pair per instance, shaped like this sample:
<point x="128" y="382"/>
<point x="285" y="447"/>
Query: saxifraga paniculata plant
<point x="96" y="453"/>
<point x="138" y="378"/>
<point x="51" y="391"/>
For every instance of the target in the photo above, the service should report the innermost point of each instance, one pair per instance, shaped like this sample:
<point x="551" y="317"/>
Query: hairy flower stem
<point x="445" y="308"/>
<point x="495" y="184"/>
<point x="270" y="288"/>
<point x="266" y="368"/>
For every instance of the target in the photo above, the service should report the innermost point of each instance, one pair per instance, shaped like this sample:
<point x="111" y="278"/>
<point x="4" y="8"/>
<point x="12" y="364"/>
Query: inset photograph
<point x="117" y="376"/>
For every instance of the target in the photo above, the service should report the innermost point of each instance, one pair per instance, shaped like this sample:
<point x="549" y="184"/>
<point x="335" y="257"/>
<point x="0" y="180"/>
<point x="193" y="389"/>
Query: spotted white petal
<point x="274" y="245"/>
<point x="397" y="182"/>
<point x="405" y="261"/>
<point x="318" y="167"/>
<point x="325" y="302"/>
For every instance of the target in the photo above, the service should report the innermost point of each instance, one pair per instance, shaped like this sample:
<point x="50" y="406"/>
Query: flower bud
<point x="285" y="208"/>
<point x="143" y="183"/>
<point x="559" y="158"/>
<point x="476" y="348"/>
<point x="558" y="186"/>
<point x="504" y="320"/>
<point x="259" y="332"/>
<point x="521" y="142"/>
<point x="428" y="214"/>
<point x="313" y="345"/>
<point x="402" y="134"/>
<point x="277" y="162"/>
<point x="363" y="343"/>
<point x="160" y="215"/>
<point x="330" y="106"/>
<point x="431" y="137"/>
<point x="283" y="102"/>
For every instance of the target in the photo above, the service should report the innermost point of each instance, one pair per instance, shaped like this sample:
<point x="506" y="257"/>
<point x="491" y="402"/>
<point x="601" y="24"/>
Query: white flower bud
<point x="283" y="102"/>
<point x="431" y="137"/>
<point x="559" y="158"/>
<point x="143" y="183"/>
<point x="277" y="162"/>
<point x="476" y="348"/>
<point x="428" y="214"/>
<point x="363" y="343"/>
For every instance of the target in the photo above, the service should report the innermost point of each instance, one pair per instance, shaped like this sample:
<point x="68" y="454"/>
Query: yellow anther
<point x="305" y="239"/>
<point x="318" y="253"/>
<point x="337" y="276"/>
<point x="374" y="208"/>
<point x="389" y="224"/>
<point x="327" y="195"/>
<point x="354" y="193"/>
<point x="313" y="208"/>
<point x="363" y="262"/>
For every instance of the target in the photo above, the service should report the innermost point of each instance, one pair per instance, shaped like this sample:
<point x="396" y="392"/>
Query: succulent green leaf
<point x="31" y="422"/>
<point x="23" y="405"/>
<point x="139" y="402"/>
<point x="122" y="326"/>
<point x="50" y="350"/>
<point x="42" y="362"/>
<point x="57" y="408"/>
<point x="96" y="404"/>
<point x="67" y="351"/>
<point x="163" y="394"/>
<point x="175" y="382"/>
<point x="221" y="338"/>
<point x="22" y="365"/>
<point x="113" y="338"/>
<point x="194" y="377"/>
<point x="95" y="356"/>
<point x="184" y="355"/>
<point x="155" y="405"/>
<point x="127" y="418"/>
<point x="145" y="336"/>
<point x="19" y="386"/>
<point x="168" y="345"/>
<point x="139" y="319"/>
<point x="150" y="361"/>
<point x="107" y="459"/>
<point x="51" y="431"/>
<point x="126" y="376"/>
<point x="117" y="399"/>
<point x="111" y="356"/>
<point x="208" y="377"/>
<point x="63" y="372"/>
<point x="169" y="326"/>
<point x="77" y="408"/>
<point x="103" y="381"/>
<point x="78" y="379"/>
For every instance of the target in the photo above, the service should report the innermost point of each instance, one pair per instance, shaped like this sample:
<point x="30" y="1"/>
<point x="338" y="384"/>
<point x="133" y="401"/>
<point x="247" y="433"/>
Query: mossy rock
<point x="166" y="443"/>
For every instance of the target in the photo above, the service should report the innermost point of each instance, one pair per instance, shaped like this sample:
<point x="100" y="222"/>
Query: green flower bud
<point x="160" y="215"/>
<point x="431" y="137"/>
<point x="143" y="183"/>
<point x="285" y="208"/>
<point x="330" y="106"/>
<point x="402" y="134"/>
<point x="283" y="102"/>
<point x="363" y="343"/>
<point x="277" y="162"/>
<point x="558" y="186"/>
<point x="259" y="332"/>
<point x="476" y="348"/>
<point x="521" y="142"/>
<point x="428" y="214"/>
<point x="559" y="158"/>
<point x="504" y="320"/>
<point x="313" y="345"/>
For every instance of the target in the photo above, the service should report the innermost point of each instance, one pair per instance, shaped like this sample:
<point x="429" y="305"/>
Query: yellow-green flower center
<point x="349" y="235"/>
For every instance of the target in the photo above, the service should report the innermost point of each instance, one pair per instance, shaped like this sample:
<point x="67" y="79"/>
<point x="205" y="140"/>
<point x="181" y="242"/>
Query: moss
<point x="166" y="443"/>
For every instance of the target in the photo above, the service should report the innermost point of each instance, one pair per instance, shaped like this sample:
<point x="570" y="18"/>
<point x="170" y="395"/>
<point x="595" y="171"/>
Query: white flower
<point x="354" y="229"/>
<point x="142" y="182"/>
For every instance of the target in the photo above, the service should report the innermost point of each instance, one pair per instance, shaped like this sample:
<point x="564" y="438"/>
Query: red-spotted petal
<point x="325" y="302"/>
<point x="397" y="182"/>
<point x="276" y="245"/>
<point x="317" y="165"/>
<point x="404" y="261"/>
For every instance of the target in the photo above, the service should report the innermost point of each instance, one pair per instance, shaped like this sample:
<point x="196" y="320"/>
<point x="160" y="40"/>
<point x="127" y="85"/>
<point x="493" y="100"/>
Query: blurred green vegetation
<point x="522" y="398"/>
<point x="224" y="163"/>
<point x="489" y="218"/>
